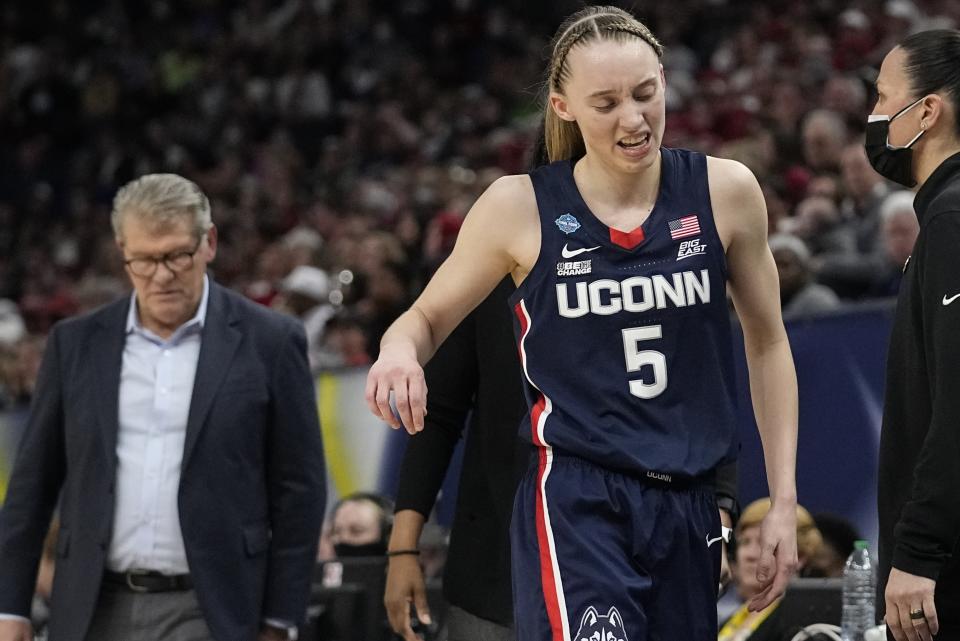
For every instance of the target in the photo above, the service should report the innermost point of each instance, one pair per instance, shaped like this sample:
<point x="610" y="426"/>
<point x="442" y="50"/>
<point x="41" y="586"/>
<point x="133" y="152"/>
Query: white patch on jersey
<point x="690" y="248"/>
<point x="574" y="268"/>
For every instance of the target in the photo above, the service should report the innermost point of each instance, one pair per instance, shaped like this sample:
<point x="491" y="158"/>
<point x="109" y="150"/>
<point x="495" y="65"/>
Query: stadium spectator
<point x="741" y="624"/>
<point x="898" y="232"/>
<point x="305" y="293"/>
<point x="360" y="525"/>
<point x="824" y="134"/>
<point x="839" y="536"/>
<point x="850" y="271"/>
<point x="799" y="295"/>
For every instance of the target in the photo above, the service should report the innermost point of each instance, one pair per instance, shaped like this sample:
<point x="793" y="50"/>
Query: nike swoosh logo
<point x="570" y="253"/>
<point x="712" y="541"/>
<point x="946" y="301"/>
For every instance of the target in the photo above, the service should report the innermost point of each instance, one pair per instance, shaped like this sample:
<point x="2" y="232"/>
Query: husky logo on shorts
<point x="594" y="627"/>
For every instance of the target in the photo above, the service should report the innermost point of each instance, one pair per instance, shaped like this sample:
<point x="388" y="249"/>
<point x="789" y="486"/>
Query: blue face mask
<point x="894" y="163"/>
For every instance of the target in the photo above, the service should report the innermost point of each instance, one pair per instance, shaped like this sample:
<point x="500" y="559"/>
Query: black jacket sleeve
<point x="451" y="377"/>
<point x="929" y="525"/>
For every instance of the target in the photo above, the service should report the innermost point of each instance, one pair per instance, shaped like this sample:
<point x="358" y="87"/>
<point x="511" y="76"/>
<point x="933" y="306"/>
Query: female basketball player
<point x="621" y="251"/>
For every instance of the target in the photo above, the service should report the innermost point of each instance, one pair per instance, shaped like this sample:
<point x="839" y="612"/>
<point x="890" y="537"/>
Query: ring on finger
<point x="917" y="615"/>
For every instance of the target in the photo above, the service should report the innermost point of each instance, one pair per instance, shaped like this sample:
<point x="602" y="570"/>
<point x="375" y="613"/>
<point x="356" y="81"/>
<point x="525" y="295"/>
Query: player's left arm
<point x="741" y="216"/>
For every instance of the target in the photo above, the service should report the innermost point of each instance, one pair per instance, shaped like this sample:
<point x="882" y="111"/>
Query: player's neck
<point x="617" y="189"/>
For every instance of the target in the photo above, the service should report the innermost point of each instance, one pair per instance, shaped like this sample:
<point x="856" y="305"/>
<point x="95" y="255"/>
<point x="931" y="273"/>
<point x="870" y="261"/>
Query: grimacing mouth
<point x="634" y="141"/>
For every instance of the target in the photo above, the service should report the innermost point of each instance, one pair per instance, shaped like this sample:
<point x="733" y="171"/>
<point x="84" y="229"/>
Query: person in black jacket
<point x="913" y="138"/>
<point x="475" y="370"/>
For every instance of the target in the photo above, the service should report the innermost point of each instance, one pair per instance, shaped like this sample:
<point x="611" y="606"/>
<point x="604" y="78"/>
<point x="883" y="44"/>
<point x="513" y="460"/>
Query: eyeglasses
<point x="178" y="261"/>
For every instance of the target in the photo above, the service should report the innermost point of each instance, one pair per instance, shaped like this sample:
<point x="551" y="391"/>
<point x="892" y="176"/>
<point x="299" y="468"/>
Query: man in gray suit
<point x="178" y="429"/>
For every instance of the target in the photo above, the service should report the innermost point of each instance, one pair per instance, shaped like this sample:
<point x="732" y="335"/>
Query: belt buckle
<point x="129" y="574"/>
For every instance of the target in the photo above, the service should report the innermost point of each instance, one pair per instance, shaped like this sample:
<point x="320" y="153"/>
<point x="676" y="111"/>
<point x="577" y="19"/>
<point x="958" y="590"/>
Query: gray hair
<point x="792" y="244"/>
<point x="830" y="119"/>
<point x="896" y="202"/>
<point x="160" y="200"/>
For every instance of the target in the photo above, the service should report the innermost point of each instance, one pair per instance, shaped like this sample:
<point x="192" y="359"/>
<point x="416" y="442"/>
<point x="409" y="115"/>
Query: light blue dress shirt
<point x="156" y="385"/>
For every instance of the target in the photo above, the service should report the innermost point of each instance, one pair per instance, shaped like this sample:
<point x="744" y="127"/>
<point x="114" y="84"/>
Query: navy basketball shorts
<point x="602" y="555"/>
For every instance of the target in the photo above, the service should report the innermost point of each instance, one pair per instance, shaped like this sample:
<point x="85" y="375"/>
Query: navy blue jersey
<point x="625" y="336"/>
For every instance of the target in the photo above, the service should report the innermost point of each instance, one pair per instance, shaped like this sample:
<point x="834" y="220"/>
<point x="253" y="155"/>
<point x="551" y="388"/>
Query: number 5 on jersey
<point x="637" y="358"/>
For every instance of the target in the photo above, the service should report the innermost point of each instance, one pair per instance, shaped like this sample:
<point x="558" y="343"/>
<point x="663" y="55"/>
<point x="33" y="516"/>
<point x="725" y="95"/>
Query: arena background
<point x="352" y="136"/>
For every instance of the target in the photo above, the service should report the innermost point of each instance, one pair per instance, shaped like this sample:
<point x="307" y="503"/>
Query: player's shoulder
<point x="509" y="201"/>
<point x="514" y="190"/>
<point x="736" y="198"/>
<point x="730" y="174"/>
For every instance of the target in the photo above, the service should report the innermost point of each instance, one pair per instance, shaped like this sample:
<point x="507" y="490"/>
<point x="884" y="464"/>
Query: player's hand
<point x="15" y="630"/>
<point x="908" y="593"/>
<point x="778" y="553"/>
<point x="402" y="375"/>
<point x="405" y="585"/>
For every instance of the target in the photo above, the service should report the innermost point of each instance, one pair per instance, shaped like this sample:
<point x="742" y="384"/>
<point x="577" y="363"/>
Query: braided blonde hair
<point x="562" y="138"/>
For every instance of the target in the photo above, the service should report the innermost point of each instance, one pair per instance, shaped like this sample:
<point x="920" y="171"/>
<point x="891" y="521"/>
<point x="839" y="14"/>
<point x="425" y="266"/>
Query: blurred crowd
<point x="342" y="142"/>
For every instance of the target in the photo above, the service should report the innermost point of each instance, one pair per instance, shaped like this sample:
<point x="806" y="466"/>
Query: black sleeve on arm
<point x="451" y="377"/>
<point x="726" y="489"/>
<point x="930" y="522"/>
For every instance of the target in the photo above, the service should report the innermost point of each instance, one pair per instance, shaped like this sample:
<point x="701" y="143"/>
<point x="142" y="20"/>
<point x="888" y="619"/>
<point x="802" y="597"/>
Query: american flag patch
<point x="683" y="227"/>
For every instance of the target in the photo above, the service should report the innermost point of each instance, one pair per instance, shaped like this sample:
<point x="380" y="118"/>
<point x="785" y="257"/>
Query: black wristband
<point x="731" y="505"/>
<point x="412" y="551"/>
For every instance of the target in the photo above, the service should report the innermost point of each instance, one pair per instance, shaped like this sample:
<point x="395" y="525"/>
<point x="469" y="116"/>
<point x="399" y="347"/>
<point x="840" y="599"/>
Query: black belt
<point x="149" y="581"/>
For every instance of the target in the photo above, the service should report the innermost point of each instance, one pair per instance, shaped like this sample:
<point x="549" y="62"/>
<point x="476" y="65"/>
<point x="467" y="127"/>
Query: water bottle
<point x="859" y="592"/>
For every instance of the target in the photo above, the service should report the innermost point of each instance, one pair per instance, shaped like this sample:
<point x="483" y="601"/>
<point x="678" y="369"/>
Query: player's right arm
<point x="500" y="236"/>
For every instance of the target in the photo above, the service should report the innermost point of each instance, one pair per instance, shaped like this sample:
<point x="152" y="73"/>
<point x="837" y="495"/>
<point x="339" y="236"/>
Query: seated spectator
<point x="360" y="525"/>
<point x="348" y="602"/>
<point x="799" y="295"/>
<point x="850" y="271"/>
<point x="818" y="223"/>
<point x="345" y="343"/>
<point x="305" y="293"/>
<point x="898" y="233"/>
<point x="760" y="626"/>
<point x="824" y="134"/>
<point x="838" y="535"/>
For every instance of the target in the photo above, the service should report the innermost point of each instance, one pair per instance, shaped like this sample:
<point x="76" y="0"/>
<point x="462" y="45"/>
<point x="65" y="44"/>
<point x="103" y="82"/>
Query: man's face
<point x="167" y="298"/>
